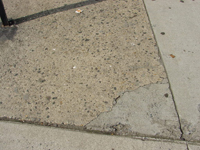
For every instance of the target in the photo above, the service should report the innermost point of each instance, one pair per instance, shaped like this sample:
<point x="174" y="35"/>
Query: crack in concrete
<point x="82" y="129"/>
<point x="176" y="109"/>
<point x="121" y="127"/>
<point x="116" y="99"/>
<point x="114" y="103"/>
<point x="187" y="147"/>
<point x="162" y="62"/>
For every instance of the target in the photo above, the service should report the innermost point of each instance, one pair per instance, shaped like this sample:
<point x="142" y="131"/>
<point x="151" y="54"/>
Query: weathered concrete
<point x="23" y="137"/>
<point x="147" y="111"/>
<point x="67" y="67"/>
<point x="193" y="147"/>
<point x="179" y="45"/>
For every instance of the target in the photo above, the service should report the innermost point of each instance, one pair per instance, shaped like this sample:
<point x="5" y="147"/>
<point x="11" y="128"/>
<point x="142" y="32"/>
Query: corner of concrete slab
<point x="187" y="146"/>
<point x="193" y="146"/>
<point x="147" y="111"/>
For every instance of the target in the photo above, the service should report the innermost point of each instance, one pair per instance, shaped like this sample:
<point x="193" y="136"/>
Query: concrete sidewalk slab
<point x="68" y="68"/>
<point x="23" y="136"/>
<point x="177" y="26"/>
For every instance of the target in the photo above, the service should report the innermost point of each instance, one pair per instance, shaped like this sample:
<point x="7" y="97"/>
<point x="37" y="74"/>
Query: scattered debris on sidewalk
<point x="78" y="11"/>
<point x="163" y="33"/>
<point x="133" y="44"/>
<point x="172" y="56"/>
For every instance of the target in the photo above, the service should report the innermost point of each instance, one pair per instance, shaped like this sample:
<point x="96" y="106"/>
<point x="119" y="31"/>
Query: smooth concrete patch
<point x="23" y="137"/>
<point x="149" y="111"/>
<point x="193" y="147"/>
<point x="177" y="26"/>
<point x="67" y="68"/>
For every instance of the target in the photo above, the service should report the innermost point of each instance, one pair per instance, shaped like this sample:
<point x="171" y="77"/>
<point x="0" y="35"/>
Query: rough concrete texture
<point x="179" y="48"/>
<point x="149" y="110"/>
<point x="23" y="137"/>
<point x="68" y="68"/>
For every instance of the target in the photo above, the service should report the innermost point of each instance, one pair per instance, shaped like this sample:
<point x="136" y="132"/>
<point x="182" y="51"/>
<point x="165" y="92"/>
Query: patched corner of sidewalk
<point x="147" y="111"/>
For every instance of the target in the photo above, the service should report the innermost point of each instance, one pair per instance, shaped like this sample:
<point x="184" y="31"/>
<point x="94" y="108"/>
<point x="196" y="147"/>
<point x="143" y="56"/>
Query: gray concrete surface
<point x="22" y="136"/>
<point x="193" y="147"/>
<point x="181" y="24"/>
<point x="147" y="111"/>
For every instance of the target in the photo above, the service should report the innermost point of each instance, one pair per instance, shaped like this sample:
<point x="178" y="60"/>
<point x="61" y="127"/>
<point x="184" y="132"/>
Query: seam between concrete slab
<point x="114" y="103"/>
<point x="116" y="99"/>
<point x="115" y="125"/>
<point x="180" y="126"/>
<point x="159" y="53"/>
<point x="187" y="146"/>
<point x="82" y="129"/>
<point x="96" y="132"/>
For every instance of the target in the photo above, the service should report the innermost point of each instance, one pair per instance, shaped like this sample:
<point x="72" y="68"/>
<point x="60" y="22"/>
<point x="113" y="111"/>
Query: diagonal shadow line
<point x="55" y="10"/>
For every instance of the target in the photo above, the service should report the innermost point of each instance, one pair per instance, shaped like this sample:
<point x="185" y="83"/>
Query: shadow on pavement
<point x="55" y="10"/>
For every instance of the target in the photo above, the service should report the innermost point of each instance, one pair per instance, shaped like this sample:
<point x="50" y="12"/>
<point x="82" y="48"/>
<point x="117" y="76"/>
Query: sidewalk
<point x="23" y="136"/>
<point x="101" y="71"/>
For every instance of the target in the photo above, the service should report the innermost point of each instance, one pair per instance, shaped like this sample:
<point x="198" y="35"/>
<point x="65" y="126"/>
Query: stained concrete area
<point x="68" y="68"/>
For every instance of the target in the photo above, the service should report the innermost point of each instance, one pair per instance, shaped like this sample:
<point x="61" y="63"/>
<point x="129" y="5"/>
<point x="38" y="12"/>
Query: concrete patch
<point x="67" y="68"/>
<point x="149" y="110"/>
<point x="193" y="147"/>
